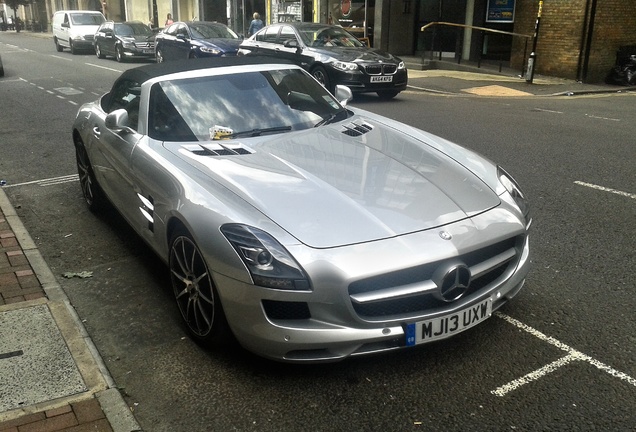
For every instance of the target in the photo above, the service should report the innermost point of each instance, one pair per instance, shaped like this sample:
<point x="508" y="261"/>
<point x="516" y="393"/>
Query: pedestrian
<point x="169" y="20"/>
<point x="255" y="25"/>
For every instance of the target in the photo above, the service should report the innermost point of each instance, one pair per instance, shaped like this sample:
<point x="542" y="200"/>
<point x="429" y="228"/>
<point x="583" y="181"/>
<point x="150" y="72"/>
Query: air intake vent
<point x="218" y="150"/>
<point x="357" y="129"/>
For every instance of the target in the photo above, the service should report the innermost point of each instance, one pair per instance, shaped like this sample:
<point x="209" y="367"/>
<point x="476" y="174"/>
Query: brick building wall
<point x="562" y="41"/>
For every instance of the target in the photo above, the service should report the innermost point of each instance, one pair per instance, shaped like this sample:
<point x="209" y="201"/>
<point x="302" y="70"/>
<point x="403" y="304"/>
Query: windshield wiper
<point x="258" y="132"/>
<point x="332" y="118"/>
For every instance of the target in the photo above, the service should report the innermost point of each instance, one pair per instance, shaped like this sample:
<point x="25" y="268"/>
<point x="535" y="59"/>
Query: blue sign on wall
<point x="500" y="11"/>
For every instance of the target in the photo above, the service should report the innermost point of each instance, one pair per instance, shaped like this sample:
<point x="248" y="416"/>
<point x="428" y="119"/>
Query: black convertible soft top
<point x="144" y="73"/>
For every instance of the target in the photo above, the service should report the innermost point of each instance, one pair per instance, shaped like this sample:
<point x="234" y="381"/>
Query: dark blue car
<point x="196" y="39"/>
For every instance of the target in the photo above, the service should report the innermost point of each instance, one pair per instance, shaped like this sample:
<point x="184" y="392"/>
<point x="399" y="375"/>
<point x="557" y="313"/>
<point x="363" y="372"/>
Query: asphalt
<point x="55" y="377"/>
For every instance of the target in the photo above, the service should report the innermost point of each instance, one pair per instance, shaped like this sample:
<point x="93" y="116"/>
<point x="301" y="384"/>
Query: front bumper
<point x="325" y="325"/>
<point x="360" y="82"/>
<point x="140" y="52"/>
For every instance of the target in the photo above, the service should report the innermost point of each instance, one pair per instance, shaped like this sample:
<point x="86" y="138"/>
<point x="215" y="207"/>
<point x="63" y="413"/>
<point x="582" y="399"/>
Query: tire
<point x="159" y="56"/>
<point x="388" y="94"/>
<point x="320" y="73"/>
<point x="58" y="47"/>
<point x="98" y="52"/>
<point x="195" y="293"/>
<point x="72" y="47"/>
<point x="92" y="192"/>
<point x="119" y="54"/>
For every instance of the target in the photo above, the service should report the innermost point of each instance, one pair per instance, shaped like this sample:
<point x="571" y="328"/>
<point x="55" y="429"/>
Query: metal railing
<point x="483" y="29"/>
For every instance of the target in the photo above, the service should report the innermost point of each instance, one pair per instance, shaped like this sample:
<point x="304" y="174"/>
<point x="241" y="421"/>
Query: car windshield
<point x="132" y="29"/>
<point x="319" y="36"/>
<point x="210" y="31"/>
<point x="87" y="19"/>
<point x="249" y="104"/>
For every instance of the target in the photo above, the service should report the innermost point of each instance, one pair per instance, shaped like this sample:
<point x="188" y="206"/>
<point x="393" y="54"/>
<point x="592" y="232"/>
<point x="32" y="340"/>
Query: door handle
<point x="96" y="132"/>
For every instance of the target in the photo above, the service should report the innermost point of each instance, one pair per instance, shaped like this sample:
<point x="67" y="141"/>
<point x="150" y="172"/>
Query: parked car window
<point x="211" y="31"/>
<point x="87" y="19"/>
<point x="182" y="30"/>
<point x="286" y="33"/>
<point x="126" y="95"/>
<point x="270" y="33"/>
<point x="172" y="30"/>
<point x="186" y="109"/>
<point x="132" y="29"/>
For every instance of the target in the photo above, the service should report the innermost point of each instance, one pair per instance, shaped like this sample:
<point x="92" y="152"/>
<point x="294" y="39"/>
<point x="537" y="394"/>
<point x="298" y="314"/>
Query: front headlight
<point x="208" y="50"/>
<point x="269" y="263"/>
<point x="514" y="190"/>
<point x="401" y="65"/>
<point x="345" y="66"/>
<point x="128" y="44"/>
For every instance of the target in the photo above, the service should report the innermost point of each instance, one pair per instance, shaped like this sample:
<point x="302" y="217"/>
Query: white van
<point x="75" y="29"/>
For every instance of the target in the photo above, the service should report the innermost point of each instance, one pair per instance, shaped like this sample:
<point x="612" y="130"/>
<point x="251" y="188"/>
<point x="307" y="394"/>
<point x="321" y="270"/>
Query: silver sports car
<point x="308" y="229"/>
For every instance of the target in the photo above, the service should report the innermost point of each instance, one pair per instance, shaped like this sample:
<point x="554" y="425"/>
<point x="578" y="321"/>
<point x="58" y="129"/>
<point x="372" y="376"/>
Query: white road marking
<point x="61" y="58"/>
<point x="602" y="118"/>
<point x="547" y="111"/>
<point x="48" y="182"/>
<point x="605" y="189"/>
<point x="572" y="355"/>
<point x="102" y="67"/>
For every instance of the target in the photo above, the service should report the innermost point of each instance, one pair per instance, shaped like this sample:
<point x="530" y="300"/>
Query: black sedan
<point x="332" y="55"/>
<point x="131" y="39"/>
<point x="196" y="39"/>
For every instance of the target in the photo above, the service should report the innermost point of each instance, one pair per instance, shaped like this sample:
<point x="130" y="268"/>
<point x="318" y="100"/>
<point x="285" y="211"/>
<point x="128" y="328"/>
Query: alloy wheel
<point x="193" y="287"/>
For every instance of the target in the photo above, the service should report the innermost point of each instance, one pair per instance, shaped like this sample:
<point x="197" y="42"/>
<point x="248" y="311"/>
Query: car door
<point x="265" y="41"/>
<point x="182" y="43"/>
<point x="113" y="149"/>
<point x="166" y="40"/>
<point x="64" y="30"/>
<point x="108" y="45"/>
<point x="290" y="47"/>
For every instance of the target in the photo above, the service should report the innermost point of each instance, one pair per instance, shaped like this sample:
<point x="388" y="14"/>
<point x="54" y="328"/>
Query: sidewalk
<point x="450" y="78"/>
<point x="52" y="377"/>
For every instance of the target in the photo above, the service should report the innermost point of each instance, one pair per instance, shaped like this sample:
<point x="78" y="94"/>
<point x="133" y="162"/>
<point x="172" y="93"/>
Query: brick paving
<point x="17" y="280"/>
<point x="18" y="283"/>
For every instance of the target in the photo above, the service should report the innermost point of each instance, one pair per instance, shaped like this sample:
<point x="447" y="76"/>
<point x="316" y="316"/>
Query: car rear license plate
<point x="448" y="325"/>
<point x="377" y="79"/>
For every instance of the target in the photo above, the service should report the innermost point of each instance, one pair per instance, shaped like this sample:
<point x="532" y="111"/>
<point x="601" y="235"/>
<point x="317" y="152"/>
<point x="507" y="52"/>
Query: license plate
<point x="377" y="79"/>
<point x="148" y="51"/>
<point x="448" y="325"/>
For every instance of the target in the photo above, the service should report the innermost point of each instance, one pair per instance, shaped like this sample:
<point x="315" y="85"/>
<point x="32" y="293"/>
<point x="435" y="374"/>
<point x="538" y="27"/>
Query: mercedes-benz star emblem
<point x="455" y="283"/>
<point x="445" y="235"/>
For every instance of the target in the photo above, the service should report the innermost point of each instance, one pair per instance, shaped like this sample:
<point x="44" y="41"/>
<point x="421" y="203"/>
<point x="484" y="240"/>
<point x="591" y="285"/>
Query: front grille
<point x="144" y="45"/>
<point x="89" y="37"/>
<point x="381" y="69"/>
<point x="282" y="310"/>
<point x="420" y="303"/>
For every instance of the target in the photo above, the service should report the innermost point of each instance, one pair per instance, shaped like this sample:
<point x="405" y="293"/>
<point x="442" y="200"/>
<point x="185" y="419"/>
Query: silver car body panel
<point x="349" y="209"/>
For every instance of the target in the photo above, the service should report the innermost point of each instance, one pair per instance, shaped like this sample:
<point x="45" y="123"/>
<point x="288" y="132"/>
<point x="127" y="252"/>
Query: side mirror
<point x="293" y="43"/>
<point x="118" y="121"/>
<point x="64" y="24"/>
<point x="343" y="94"/>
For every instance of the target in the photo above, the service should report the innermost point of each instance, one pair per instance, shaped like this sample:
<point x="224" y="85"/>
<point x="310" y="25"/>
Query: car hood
<point x="225" y="45"/>
<point x="348" y="183"/>
<point x="349" y="54"/>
